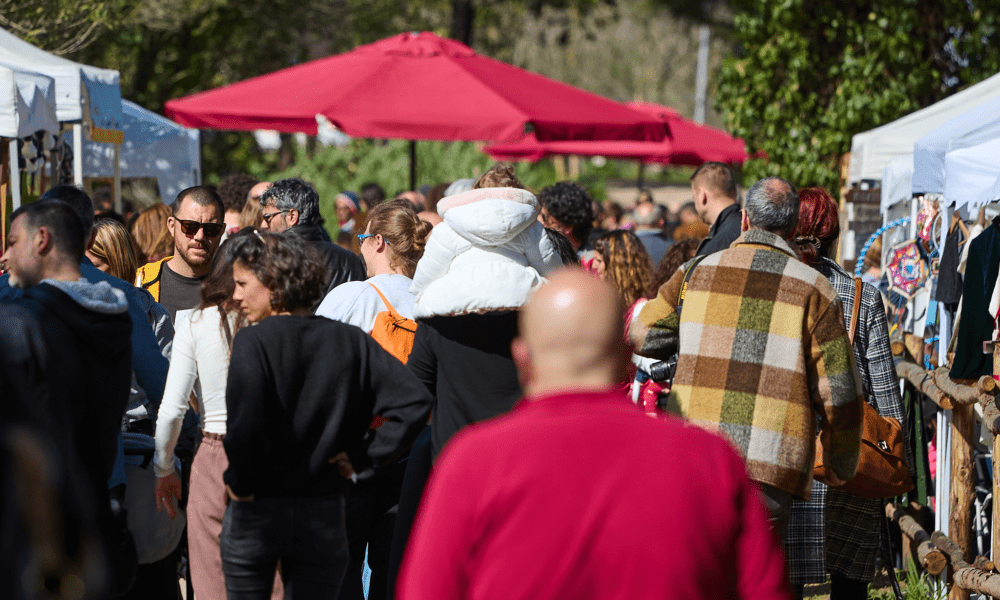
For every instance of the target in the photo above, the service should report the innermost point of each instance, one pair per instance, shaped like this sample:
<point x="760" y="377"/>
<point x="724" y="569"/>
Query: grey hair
<point x="460" y="186"/>
<point x="648" y="216"/>
<point x="294" y="193"/>
<point x="772" y="204"/>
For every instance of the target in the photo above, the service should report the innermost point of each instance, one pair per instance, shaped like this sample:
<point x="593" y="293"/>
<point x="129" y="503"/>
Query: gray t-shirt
<point x="178" y="292"/>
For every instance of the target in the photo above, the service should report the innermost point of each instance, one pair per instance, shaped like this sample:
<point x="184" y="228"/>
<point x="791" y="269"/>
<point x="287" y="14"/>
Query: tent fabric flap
<point x="27" y="103"/>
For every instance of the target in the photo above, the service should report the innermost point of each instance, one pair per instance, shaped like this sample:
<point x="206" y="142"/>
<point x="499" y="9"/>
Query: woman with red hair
<point x="837" y="532"/>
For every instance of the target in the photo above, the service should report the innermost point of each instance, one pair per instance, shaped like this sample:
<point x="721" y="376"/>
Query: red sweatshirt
<point x="583" y="496"/>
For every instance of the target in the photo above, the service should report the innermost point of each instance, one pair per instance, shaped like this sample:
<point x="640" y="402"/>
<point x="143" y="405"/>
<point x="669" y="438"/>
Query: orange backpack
<point x="393" y="331"/>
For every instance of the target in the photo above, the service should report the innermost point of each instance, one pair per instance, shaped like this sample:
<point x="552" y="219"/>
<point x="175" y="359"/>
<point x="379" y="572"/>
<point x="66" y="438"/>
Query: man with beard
<point x="196" y="225"/>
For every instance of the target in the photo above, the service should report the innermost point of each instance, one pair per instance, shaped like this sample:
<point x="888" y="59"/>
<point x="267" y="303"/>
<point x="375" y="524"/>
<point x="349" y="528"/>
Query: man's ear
<point x="744" y="221"/>
<point x="42" y="240"/>
<point x="522" y="360"/>
<point x="293" y="217"/>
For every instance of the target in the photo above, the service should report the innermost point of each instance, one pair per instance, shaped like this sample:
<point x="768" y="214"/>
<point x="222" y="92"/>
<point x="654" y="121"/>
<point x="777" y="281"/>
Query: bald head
<point x="571" y="336"/>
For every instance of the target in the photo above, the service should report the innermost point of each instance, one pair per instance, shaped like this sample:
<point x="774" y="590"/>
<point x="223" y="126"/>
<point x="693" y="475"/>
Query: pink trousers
<point x="205" y="508"/>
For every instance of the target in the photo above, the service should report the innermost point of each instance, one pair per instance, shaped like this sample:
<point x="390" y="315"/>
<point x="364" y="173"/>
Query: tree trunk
<point x="463" y="17"/>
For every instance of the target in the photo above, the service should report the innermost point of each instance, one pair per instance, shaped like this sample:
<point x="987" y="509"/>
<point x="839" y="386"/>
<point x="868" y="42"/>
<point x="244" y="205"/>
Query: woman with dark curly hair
<point x="301" y="393"/>
<point x="200" y="360"/>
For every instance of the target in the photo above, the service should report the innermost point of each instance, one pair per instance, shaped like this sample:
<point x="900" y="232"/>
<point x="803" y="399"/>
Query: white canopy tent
<point x="85" y="95"/>
<point x="972" y="175"/>
<point x="27" y="105"/>
<point x="153" y="146"/>
<point x="872" y="150"/>
<point x="896" y="181"/>
<point x="974" y="127"/>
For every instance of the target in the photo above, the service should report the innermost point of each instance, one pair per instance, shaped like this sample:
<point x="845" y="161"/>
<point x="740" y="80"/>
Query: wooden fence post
<point x="962" y="485"/>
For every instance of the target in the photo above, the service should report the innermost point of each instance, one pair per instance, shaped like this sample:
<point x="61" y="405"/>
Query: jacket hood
<point x="98" y="297"/>
<point x="490" y="216"/>
<point x="96" y="312"/>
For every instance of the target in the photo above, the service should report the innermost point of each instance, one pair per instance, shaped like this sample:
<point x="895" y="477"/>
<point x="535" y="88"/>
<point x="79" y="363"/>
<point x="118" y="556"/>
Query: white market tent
<point x="27" y="104"/>
<point x="85" y="95"/>
<point x="974" y="127"/>
<point x="896" y="181"/>
<point x="872" y="150"/>
<point x="972" y="175"/>
<point x="153" y="146"/>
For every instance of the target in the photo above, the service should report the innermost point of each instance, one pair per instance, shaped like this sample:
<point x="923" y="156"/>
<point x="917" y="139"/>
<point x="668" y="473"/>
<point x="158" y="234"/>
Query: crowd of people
<point x="303" y="394"/>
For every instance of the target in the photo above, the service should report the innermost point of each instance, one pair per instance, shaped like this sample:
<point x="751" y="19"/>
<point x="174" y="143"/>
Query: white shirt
<point x="356" y="303"/>
<point x="200" y="363"/>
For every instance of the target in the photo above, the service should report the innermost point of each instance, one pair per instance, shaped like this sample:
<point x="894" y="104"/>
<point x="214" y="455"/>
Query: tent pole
<point x="78" y="154"/>
<point x="4" y="179"/>
<point x="117" y="190"/>
<point x="15" y="176"/>
<point x="413" y="165"/>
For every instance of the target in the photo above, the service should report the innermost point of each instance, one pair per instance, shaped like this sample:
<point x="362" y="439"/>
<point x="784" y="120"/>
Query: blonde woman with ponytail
<point x="391" y="245"/>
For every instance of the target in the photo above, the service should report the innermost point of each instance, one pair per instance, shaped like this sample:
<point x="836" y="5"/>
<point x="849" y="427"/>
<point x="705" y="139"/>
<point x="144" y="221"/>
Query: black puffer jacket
<point x="343" y="265"/>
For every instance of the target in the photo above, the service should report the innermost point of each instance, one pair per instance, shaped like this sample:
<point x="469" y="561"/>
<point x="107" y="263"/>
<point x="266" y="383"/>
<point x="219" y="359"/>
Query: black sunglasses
<point x="191" y="228"/>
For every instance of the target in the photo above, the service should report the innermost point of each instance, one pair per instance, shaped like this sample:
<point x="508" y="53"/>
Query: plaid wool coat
<point x="762" y="351"/>
<point x="837" y="532"/>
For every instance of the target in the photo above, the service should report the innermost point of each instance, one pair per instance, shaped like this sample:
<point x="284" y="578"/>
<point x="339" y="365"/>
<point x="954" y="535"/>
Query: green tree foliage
<point x="61" y="26"/>
<point x="812" y="73"/>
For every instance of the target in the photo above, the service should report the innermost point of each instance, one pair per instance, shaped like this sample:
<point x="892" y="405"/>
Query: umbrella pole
<point x="413" y="164"/>
<point x="641" y="176"/>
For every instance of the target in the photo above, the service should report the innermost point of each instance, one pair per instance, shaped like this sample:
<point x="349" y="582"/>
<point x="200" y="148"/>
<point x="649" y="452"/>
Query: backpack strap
<point x="687" y="278"/>
<point x="856" y="309"/>
<point x="392" y="311"/>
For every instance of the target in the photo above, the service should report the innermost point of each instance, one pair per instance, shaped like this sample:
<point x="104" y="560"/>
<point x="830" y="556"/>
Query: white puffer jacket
<point x="490" y="253"/>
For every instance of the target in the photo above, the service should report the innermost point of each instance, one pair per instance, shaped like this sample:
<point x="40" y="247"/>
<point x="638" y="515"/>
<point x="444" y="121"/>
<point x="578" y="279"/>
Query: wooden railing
<point x="933" y="551"/>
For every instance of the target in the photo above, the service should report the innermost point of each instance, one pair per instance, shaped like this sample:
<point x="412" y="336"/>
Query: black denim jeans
<point x="306" y="534"/>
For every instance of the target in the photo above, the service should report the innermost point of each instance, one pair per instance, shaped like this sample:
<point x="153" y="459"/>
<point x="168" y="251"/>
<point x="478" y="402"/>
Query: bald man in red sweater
<point x="577" y="494"/>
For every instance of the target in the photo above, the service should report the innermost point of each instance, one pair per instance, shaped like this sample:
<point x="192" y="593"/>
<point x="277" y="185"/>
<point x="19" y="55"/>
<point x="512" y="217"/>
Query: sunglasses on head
<point x="191" y="228"/>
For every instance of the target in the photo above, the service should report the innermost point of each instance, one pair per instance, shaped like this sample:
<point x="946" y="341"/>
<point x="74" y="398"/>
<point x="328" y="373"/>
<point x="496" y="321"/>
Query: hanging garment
<point x="976" y="325"/>
<point x="949" y="283"/>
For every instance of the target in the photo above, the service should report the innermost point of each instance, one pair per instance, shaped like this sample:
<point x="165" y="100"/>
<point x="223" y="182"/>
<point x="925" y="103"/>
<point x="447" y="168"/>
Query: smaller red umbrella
<point x="686" y="143"/>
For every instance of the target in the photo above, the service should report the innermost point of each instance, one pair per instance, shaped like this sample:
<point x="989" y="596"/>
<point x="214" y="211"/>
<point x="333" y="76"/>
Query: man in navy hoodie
<point x="148" y="362"/>
<point x="85" y="333"/>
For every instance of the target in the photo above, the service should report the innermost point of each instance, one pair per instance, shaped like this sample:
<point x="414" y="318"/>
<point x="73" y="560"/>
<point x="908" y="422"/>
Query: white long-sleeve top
<point x="199" y="362"/>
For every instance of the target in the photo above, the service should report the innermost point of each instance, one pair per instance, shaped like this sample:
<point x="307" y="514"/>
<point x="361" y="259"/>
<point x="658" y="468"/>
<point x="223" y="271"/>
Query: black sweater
<point x="466" y="362"/>
<point x="301" y="390"/>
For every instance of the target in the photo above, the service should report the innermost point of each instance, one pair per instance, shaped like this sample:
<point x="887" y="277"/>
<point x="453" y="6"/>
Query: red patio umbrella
<point x="686" y="143"/>
<point x="415" y="86"/>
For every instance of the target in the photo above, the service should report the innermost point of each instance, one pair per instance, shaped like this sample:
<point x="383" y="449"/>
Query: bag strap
<point x="687" y="278"/>
<point x="856" y="309"/>
<point x="885" y="545"/>
<point x="392" y="311"/>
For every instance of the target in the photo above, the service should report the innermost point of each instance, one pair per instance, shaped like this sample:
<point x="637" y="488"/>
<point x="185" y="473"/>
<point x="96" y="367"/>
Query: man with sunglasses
<point x="196" y="226"/>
